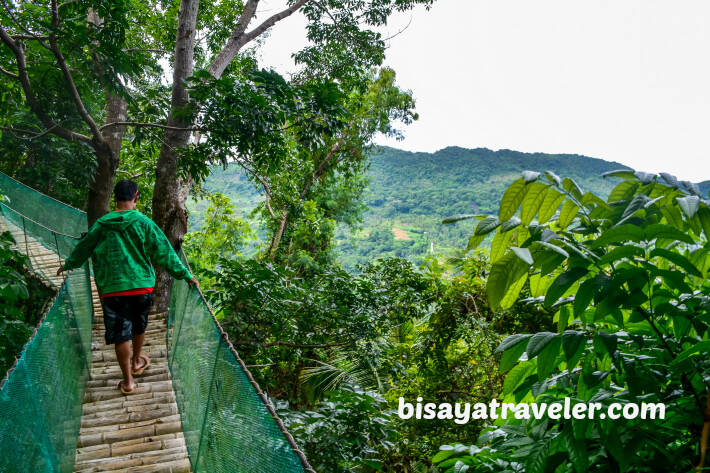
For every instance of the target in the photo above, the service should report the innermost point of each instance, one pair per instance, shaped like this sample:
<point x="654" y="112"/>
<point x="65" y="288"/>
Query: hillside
<point x="410" y="193"/>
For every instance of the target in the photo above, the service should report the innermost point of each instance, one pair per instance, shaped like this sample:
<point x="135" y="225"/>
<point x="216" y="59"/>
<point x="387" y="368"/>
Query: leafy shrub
<point x="627" y="277"/>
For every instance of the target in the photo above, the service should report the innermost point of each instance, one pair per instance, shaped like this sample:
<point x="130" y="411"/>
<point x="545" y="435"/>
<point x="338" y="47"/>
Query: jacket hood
<point x="120" y="219"/>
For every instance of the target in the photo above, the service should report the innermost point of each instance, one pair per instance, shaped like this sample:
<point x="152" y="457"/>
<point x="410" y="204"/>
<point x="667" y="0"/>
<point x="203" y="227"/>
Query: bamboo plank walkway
<point x="137" y="433"/>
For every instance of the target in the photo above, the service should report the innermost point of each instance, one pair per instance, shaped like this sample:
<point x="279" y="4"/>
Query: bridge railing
<point x="41" y="396"/>
<point x="228" y="423"/>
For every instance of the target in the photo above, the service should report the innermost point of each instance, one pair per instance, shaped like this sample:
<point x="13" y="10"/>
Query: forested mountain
<point x="412" y="192"/>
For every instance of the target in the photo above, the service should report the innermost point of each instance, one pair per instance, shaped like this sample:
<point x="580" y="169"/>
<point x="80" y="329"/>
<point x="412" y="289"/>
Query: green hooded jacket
<point x="124" y="242"/>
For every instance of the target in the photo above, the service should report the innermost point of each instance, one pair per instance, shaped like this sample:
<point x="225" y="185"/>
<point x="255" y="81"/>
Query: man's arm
<point x="83" y="250"/>
<point x="162" y="253"/>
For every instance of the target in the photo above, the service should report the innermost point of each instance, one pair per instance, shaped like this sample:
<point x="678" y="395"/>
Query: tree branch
<point x="21" y="37"/>
<point x="239" y="37"/>
<point x="61" y="62"/>
<point x="30" y="96"/>
<point x="9" y="74"/>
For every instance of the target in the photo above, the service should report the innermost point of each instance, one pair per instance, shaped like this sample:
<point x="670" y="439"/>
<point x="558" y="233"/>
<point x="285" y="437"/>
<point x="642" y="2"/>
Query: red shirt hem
<point x="130" y="292"/>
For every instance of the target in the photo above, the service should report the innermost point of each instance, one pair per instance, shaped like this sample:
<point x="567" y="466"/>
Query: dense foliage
<point x="627" y="278"/>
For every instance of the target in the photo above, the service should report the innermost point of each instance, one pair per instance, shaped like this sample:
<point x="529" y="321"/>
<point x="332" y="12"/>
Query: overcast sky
<point x="625" y="81"/>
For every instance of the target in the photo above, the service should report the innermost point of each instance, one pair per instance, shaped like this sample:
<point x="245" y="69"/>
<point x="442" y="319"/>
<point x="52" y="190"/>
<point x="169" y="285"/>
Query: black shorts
<point x="125" y="316"/>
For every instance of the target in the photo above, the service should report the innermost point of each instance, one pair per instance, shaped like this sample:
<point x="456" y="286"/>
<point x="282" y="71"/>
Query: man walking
<point x="124" y="242"/>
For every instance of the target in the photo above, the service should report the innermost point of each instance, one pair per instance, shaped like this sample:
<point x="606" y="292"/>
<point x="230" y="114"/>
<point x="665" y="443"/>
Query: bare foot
<point x="126" y="387"/>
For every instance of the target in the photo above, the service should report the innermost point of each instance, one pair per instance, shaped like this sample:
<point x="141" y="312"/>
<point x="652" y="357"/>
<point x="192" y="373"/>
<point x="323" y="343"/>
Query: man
<point x="124" y="242"/>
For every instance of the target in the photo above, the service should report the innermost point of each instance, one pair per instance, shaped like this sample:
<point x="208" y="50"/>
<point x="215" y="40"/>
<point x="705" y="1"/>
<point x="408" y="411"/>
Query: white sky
<point x="625" y="81"/>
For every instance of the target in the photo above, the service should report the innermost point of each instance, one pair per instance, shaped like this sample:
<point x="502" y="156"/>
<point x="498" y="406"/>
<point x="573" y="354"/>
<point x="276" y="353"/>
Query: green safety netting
<point x="41" y="398"/>
<point x="34" y="218"/>
<point x="227" y="426"/>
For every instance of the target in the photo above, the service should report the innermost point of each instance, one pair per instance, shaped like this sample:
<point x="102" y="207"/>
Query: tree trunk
<point x="107" y="154"/>
<point x="168" y="208"/>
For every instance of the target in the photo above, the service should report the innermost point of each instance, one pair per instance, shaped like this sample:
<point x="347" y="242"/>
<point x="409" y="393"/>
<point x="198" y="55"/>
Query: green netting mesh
<point x="39" y="223"/>
<point x="227" y="428"/>
<point x="41" y="399"/>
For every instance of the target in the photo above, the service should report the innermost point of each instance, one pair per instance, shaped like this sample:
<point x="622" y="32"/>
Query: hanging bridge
<point x="195" y="409"/>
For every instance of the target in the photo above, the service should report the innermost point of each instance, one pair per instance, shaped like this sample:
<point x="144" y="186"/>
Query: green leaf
<point x="442" y="455"/>
<point x="638" y="202"/>
<point x="532" y="202"/>
<point x="623" y="191"/>
<point x="549" y="206"/>
<point x="486" y="226"/>
<point x="499" y="245"/>
<point x="619" y="234"/>
<point x="546" y="360"/>
<point x="700" y="347"/>
<point x="512" y="341"/>
<point x="567" y="214"/>
<point x="562" y="283"/>
<point x="510" y="357"/>
<point x="584" y="297"/>
<point x="523" y="254"/>
<point x="645" y="177"/>
<point x="457" y="218"/>
<point x="513" y="292"/>
<point x="689" y="205"/>
<point x="673" y="216"/>
<point x="474" y="241"/>
<point x="538" y="342"/>
<point x="512" y="198"/>
<point x="670" y="179"/>
<point x="622" y="173"/>
<point x="677" y="259"/>
<point x="571" y="341"/>
<point x="539" y="284"/>
<point x="610" y="342"/>
<point x="510" y="224"/>
<point x="662" y="231"/>
<point x="553" y="178"/>
<point x="504" y="274"/>
<point x="572" y="187"/>
<point x="704" y="218"/>
<point x="460" y="467"/>
<point x="530" y="176"/>
<point x="516" y="376"/>
<point x="537" y="459"/>
<point x="577" y="449"/>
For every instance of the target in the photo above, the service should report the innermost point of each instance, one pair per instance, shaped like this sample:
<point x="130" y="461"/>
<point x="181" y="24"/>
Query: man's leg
<point x="137" y="347"/>
<point x="123" y="355"/>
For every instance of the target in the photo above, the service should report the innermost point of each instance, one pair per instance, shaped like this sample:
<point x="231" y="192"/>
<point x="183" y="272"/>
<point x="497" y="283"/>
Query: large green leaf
<point x="567" y="214"/>
<point x="689" y="205"/>
<point x="537" y="459"/>
<point x="504" y="274"/>
<point x="662" y="231"/>
<point x="549" y="206"/>
<point x="532" y="202"/>
<point x="523" y="254"/>
<point x="510" y="357"/>
<point x="512" y="198"/>
<point x="571" y="341"/>
<point x="573" y="188"/>
<point x="704" y="218"/>
<point x="547" y="358"/>
<point x="619" y="234"/>
<point x="530" y="176"/>
<point x="700" y="347"/>
<point x="512" y="341"/>
<point x="670" y="179"/>
<point x="516" y="376"/>
<point x="500" y="243"/>
<point x="510" y="224"/>
<point x="577" y="449"/>
<point x="583" y="297"/>
<point x="457" y="218"/>
<point x="619" y="253"/>
<point x="677" y="259"/>
<point x="538" y="342"/>
<point x="623" y="173"/>
<point x="486" y="226"/>
<point x="623" y="191"/>
<point x="562" y="283"/>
